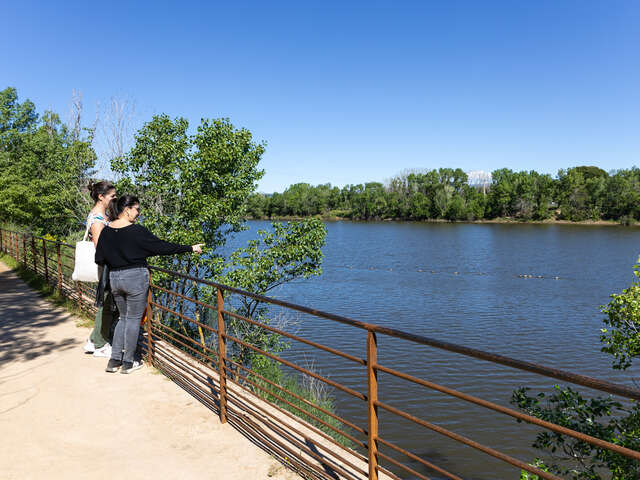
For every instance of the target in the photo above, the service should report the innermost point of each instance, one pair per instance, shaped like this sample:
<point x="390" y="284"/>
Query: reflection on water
<point x="527" y="291"/>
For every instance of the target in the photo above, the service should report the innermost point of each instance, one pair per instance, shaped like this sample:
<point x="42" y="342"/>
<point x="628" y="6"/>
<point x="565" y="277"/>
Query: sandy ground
<point x="62" y="416"/>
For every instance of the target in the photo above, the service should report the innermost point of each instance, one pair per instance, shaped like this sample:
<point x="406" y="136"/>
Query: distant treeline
<point x="575" y="194"/>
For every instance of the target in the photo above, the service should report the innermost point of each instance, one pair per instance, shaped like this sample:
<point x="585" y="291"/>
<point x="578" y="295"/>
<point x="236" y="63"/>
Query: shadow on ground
<point x="23" y="321"/>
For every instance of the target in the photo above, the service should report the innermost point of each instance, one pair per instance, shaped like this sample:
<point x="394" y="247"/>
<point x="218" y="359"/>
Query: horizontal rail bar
<point x="471" y="443"/>
<point x="299" y="409"/>
<point x="181" y="364"/>
<point x="184" y="317"/>
<point x="418" y="459"/>
<point x="292" y="453"/>
<point x="403" y="466"/>
<point x="514" y="413"/>
<point x="299" y="339"/>
<point x="348" y="390"/>
<point x="333" y="415"/>
<point x="34" y="236"/>
<point x="302" y="446"/>
<point x="181" y="343"/>
<point x="583" y="380"/>
<point x="195" y="342"/>
<point x="274" y="301"/>
<point x="171" y="292"/>
<point x="195" y="359"/>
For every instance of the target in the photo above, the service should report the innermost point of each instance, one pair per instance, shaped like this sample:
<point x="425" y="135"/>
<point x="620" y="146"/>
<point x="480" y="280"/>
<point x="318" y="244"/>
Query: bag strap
<point x="86" y="232"/>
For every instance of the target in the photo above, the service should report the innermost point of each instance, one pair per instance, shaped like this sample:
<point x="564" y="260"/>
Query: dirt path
<point x="62" y="416"/>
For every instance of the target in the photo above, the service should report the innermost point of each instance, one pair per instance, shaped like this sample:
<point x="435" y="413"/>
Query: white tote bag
<point x="86" y="269"/>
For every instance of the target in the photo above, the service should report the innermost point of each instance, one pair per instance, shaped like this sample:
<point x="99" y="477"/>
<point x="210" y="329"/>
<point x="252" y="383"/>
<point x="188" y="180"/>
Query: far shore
<point x="500" y="220"/>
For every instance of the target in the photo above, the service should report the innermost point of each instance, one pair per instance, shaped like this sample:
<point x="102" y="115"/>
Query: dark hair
<point x="117" y="205"/>
<point x="99" y="188"/>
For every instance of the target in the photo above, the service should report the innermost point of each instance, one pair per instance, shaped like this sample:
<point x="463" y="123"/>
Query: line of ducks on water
<point x="522" y="275"/>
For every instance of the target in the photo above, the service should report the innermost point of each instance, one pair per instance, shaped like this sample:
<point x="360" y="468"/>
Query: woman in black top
<point x="124" y="247"/>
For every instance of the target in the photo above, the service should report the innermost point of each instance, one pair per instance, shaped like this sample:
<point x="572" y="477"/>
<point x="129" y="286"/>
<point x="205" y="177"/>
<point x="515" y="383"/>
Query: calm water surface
<point x="460" y="283"/>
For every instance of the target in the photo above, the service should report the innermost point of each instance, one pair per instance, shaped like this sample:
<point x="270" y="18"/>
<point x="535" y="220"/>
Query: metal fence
<point x="190" y="340"/>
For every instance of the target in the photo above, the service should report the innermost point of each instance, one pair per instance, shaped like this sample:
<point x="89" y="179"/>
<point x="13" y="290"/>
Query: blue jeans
<point x="129" y="288"/>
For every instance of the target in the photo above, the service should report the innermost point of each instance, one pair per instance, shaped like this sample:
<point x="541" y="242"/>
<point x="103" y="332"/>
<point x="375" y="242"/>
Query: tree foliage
<point x="290" y="251"/>
<point x="621" y="336"/>
<point x="44" y="167"/>
<point x="576" y="194"/>
<point x="193" y="189"/>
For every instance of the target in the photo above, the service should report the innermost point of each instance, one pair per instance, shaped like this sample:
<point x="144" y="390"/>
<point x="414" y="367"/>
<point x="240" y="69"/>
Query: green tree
<point x="621" y="199"/>
<point x="44" y="167"/>
<point x="502" y="193"/>
<point x="290" y="251"/>
<point x="580" y="192"/>
<point x="15" y="119"/>
<point x="193" y="189"/>
<point x="257" y="205"/>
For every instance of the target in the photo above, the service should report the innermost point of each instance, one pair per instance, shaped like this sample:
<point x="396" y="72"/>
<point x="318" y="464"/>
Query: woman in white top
<point x="98" y="342"/>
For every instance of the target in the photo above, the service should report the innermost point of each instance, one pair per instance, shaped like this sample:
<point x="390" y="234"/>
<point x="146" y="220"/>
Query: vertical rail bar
<point x="372" y="383"/>
<point x="79" y="292"/>
<point x="24" y="251"/>
<point x="59" y="268"/>
<point x="46" y="261"/>
<point x="33" y="252"/>
<point x="149" y="320"/>
<point x="222" y="353"/>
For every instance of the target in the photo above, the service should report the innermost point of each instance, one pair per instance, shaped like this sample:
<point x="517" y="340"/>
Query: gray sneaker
<point x="128" y="367"/>
<point x="113" y="366"/>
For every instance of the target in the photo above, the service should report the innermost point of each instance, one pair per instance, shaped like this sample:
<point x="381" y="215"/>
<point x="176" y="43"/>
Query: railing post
<point x="149" y="314"/>
<point x="45" y="260"/>
<point x="222" y="353"/>
<point x="59" y="268"/>
<point x="79" y="292"/>
<point x="33" y="252"/>
<point x="24" y="250"/>
<point x="372" y="398"/>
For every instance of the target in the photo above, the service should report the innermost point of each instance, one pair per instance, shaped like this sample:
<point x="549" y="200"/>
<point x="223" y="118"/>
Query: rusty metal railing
<point x="191" y="339"/>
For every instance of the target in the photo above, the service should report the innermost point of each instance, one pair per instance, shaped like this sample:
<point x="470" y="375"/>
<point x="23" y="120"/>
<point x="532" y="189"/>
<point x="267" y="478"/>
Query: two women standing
<point x="124" y="247"/>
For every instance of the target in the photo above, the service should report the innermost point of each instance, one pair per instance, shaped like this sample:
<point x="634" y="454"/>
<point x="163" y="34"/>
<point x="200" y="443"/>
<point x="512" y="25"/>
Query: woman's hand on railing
<point x="197" y="248"/>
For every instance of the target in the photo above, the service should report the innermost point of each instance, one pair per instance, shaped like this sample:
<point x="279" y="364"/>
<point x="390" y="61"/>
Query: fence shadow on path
<point x="23" y="321"/>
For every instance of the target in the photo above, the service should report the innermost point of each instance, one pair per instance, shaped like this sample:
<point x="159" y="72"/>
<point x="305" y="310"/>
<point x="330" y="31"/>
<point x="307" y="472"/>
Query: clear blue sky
<point x="349" y="92"/>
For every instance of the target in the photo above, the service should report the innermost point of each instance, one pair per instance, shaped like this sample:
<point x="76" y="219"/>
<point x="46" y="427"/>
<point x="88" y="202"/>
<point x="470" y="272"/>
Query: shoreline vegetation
<point x="582" y="195"/>
<point x="500" y="221"/>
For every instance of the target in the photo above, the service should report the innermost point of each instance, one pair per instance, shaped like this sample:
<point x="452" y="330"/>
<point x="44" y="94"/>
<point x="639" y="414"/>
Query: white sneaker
<point x="89" y="347"/>
<point x="104" y="351"/>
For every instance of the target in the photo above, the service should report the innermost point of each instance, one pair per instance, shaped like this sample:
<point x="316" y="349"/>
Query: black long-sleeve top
<point x="129" y="247"/>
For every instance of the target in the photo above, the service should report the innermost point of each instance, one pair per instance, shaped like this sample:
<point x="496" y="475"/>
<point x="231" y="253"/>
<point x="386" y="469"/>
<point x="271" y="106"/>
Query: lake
<point x="461" y="283"/>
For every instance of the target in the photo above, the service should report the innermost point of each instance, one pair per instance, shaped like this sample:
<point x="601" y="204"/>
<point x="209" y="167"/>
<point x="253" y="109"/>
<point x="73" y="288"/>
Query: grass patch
<point x="304" y="386"/>
<point x="45" y="290"/>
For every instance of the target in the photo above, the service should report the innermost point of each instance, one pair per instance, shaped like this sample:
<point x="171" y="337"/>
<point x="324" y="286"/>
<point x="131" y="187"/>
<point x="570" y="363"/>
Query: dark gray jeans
<point x="129" y="288"/>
